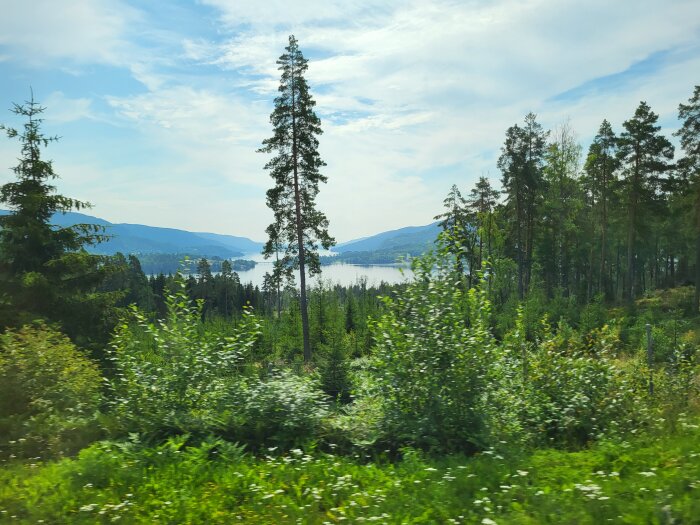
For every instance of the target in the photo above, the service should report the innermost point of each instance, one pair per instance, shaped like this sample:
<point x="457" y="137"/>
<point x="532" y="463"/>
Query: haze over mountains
<point x="139" y="238"/>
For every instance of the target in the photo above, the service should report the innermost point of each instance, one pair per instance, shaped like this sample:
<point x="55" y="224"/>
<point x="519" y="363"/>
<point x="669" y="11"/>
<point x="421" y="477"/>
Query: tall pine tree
<point x="295" y="168"/>
<point x="644" y="154"/>
<point x="598" y="182"/>
<point x="689" y="167"/>
<point x="521" y="162"/>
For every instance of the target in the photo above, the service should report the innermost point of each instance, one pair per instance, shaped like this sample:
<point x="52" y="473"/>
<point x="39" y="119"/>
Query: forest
<point x="541" y="365"/>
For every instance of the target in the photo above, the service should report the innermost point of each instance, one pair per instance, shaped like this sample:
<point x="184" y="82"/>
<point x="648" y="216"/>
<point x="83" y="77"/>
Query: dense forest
<point x="541" y="366"/>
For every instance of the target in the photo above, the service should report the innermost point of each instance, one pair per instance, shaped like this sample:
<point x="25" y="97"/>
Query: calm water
<point x="343" y="274"/>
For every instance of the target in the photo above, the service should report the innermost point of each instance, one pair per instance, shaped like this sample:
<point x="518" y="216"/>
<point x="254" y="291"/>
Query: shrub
<point x="433" y="350"/>
<point x="172" y="376"/>
<point x="358" y="424"/>
<point x="572" y="390"/>
<point x="285" y="410"/>
<point x="49" y="393"/>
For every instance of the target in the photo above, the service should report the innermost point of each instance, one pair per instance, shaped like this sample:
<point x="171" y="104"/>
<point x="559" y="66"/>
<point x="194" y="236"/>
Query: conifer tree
<point x="299" y="226"/>
<point x="689" y="165"/>
<point x="644" y="153"/>
<point x="457" y="231"/>
<point x="521" y="162"/>
<point x="45" y="271"/>
<point x="601" y="165"/>
<point x="481" y="202"/>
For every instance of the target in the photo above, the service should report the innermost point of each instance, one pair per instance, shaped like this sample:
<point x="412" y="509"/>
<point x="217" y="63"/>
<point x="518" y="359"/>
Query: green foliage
<point x="44" y="270"/>
<point x="593" y="315"/>
<point x="173" y="377"/>
<point x="458" y="235"/>
<point x="644" y="154"/>
<point x="335" y="370"/>
<point x="649" y="479"/>
<point x="433" y="349"/>
<point x="49" y="394"/>
<point x="285" y="410"/>
<point x="521" y="163"/>
<point x="573" y="392"/>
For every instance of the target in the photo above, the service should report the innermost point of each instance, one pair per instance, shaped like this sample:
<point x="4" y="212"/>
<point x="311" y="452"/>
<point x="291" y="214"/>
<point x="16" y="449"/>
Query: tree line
<point x="607" y="226"/>
<point x="616" y="222"/>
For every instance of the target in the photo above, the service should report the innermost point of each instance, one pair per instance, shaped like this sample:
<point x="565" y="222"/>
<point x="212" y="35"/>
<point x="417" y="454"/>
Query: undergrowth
<point x="652" y="478"/>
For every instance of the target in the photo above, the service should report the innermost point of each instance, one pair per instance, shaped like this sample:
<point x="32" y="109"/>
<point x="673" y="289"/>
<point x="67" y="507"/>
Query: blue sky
<point x="162" y="104"/>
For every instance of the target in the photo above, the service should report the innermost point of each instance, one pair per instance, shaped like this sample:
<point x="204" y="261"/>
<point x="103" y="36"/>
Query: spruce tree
<point x="45" y="271"/>
<point x="298" y="225"/>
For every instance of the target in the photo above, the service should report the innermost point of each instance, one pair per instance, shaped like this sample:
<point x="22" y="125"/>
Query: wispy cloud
<point x="81" y="31"/>
<point x="414" y="95"/>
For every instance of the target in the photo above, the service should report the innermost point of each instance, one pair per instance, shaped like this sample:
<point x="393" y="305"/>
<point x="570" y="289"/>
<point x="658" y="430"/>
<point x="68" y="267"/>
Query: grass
<point x="653" y="478"/>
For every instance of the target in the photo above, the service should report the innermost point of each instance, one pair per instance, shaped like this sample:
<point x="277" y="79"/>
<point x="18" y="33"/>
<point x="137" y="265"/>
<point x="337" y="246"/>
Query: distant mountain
<point x="412" y="239"/>
<point x="138" y="238"/>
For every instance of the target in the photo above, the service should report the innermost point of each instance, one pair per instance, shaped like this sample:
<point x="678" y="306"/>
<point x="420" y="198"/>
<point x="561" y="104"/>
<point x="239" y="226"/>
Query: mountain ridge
<point x="140" y="238"/>
<point x="409" y="239"/>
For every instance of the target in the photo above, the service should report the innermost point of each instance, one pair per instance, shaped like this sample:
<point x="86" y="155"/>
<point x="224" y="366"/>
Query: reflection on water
<point x="343" y="274"/>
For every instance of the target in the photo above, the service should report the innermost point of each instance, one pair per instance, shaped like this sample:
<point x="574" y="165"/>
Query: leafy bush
<point x="593" y="315"/>
<point x="284" y="410"/>
<point x="433" y="351"/>
<point x="172" y="376"/>
<point x="570" y="387"/>
<point x="49" y="393"/>
<point x="358" y="424"/>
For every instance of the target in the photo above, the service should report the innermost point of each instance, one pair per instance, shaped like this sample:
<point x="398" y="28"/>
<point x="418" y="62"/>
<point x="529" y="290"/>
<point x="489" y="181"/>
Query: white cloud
<point x="82" y="31"/>
<point x="414" y="95"/>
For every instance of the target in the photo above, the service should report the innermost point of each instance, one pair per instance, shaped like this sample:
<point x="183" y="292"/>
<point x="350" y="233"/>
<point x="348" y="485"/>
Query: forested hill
<point x="387" y="247"/>
<point x="138" y="238"/>
<point x="409" y="239"/>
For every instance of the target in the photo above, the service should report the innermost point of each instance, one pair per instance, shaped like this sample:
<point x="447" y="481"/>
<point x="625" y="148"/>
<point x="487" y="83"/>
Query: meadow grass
<point x="651" y="478"/>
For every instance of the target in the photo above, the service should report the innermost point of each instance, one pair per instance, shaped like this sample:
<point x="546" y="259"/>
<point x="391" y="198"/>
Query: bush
<point x="358" y="424"/>
<point x="172" y="376"/>
<point x="285" y="410"/>
<point x="433" y="351"/>
<point x="572" y="391"/>
<point x="49" y="394"/>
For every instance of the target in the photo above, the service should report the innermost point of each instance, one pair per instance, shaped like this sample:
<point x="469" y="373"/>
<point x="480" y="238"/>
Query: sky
<point x="162" y="104"/>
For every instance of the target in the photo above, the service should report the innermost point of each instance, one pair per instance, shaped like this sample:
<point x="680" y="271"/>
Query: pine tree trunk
<point x="603" y="238"/>
<point x="521" y="271"/>
<point x="617" y="273"/>
<point x="300" y="238"/>
<point x="277" y="283"/>
<point x="631" y="239"/>
<point x="697" y="274"/>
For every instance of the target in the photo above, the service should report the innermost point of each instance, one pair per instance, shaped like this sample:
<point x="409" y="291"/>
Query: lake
<point x="339" y="273"/>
